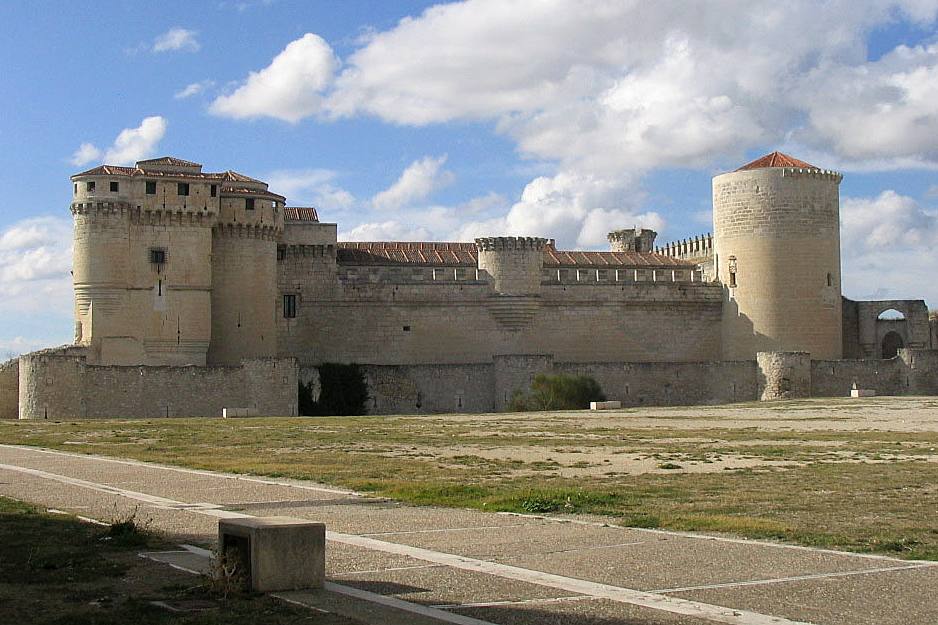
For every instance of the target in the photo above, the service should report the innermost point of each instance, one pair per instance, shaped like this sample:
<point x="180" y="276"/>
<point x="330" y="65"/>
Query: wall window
<point x="289" y="306"/>
<point x="76" y="188"/>
<point x="89" y="186"/>
<point x="213" y="190"/>
<point x="281" y="252"/>
<point x="115" y="186"/>
<point x="158" y="256"/>
<point x="249" y="203"/>
<point x="182" y="188"/>
<point x="151" y="187"/>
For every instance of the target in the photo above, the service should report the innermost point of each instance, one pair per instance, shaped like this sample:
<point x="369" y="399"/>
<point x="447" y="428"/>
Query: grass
<point x="866" y="491"/>
<point x="56" y="570"/>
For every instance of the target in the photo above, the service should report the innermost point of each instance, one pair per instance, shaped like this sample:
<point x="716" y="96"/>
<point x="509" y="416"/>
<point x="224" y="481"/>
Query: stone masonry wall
<point x="9" y="389"/>
<point x="429" y="389"/>
<point x="834" y="378"/>
<point x="465" y="323"/>
<point x="783" y="375"/>
<point x="62" y="387"/>
<point x="668" y="384"/>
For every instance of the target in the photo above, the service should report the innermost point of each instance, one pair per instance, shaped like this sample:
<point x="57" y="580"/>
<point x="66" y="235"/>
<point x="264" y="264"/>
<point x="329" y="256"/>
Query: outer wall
<point x="782" y="227"/>
<point x="9" y="389"/>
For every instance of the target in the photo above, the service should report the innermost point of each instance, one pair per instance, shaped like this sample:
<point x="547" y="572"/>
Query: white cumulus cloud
<point x="314" y="187"/>
<point x="890" y="247"/>
<point x="417" y="182"/>
<point x="131" y="144"/>
<point x="192" y="89"/>
<point x="177" y="39"/>
<point x="287" y="89"/>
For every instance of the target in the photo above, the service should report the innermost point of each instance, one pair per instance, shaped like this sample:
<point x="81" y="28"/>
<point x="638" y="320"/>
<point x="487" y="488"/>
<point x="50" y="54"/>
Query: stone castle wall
<point x="9" y="389"/>
<point x="61" y="386"/>
<point x="466" y="323"/>
<point x="671" y="384"/>
<point x="425" y="389"/>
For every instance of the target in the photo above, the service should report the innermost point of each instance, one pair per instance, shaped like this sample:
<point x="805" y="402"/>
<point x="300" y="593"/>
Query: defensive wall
<point x="9" y="389"/>
<point x="483" y="387"/>
<point x="63" y="386"/>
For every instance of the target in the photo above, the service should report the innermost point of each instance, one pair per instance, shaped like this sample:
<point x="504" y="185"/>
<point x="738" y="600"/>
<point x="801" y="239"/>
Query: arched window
<point x="891" y="314"/>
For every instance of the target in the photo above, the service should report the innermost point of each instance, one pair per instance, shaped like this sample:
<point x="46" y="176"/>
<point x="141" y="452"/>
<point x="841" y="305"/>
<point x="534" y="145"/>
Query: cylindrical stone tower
<point x="515" y="263"/>
<point x="244" y="272"/>
<point x="777" y="253"/>
<point x="142" y="262"/>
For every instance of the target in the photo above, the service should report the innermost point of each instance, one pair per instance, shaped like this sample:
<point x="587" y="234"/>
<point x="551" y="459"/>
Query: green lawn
<point x="868" y="491"/>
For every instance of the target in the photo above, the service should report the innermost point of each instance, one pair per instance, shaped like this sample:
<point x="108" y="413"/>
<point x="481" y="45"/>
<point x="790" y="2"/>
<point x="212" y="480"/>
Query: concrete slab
<point x="884" y="598"/>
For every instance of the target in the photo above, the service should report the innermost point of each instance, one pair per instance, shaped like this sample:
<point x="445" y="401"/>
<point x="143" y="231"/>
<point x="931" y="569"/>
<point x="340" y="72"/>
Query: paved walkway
<point x="459" y="566"/>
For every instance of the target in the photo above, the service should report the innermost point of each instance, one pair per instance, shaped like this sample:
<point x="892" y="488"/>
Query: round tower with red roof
<point x="776" y="241"/>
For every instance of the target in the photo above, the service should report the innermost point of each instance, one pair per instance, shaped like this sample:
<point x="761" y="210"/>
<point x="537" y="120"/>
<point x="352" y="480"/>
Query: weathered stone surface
<point x="281" y="553"/>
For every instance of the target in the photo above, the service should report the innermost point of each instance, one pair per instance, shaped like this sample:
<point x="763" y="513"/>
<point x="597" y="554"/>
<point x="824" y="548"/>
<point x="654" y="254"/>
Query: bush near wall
<point x="343" y="392"/>
<point x="558" y="392"/>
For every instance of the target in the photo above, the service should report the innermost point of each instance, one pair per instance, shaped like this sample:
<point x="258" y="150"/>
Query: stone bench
<point x="228" y="413"/>
<point x="605" y="405"/>
<point x="277" y="553"/>
<point x="862" y="392"/>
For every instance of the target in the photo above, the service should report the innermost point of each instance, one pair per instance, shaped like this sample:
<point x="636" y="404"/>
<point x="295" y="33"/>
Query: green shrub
<point x="558" y="392"/>
<point x="343" y="392"/>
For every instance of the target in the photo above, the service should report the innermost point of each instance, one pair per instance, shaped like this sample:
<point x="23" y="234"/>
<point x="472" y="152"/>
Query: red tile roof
<point x="466" y="255"/>
<point x="168" y="160"/>
<point x="776" y="159"/>
<point x="241" y="191"/>
<point x="300" y="213"/>
<point x="404" y="253"/>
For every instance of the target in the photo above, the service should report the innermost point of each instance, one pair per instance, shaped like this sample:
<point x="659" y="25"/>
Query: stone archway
<point x="892" y="343"/>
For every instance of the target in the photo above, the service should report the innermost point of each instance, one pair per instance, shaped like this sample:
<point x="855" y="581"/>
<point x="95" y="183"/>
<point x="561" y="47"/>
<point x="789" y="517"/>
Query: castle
<point x="200" y="291"/>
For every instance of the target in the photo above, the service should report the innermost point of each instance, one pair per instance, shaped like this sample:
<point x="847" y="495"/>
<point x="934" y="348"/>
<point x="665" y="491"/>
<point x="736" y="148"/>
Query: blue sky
<point x="412" y="120"/>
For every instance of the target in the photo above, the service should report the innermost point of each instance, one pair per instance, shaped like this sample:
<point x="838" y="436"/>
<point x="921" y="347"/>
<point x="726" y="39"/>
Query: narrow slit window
<point x="830" y="279"/>
<point x="289" y="306"/>
<point x="213" y="190"/>
<point x="732" y="269"/>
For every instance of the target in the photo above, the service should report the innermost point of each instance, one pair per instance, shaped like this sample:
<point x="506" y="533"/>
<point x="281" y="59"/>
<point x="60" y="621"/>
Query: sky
<point x="413" y="120"/>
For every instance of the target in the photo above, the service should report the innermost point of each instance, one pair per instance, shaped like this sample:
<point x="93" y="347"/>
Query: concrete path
<point x="457" y="566"/>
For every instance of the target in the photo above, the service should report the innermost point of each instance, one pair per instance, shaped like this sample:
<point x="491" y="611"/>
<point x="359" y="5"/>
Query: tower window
<point x="115" y="186"/>
<point x="158" y="256"/>
<point x="732" y="268"/>
<point x="289" y="306"/>
<point x="151" y="187"/>
<point x="182" y="188"/>
<point x="76" y="188"/>
<point x="249" y="203"/>
<point x="830" y="279"/>
<point x="89" y="186"/>
<point x="213" y="190"/>
<point x="281" y="252"/>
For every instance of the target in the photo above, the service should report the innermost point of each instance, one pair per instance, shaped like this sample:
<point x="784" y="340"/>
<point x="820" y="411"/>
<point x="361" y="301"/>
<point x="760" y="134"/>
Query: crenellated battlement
<point x="265" y="232"/>
<point x="804" y="172"/>
<point x="493" y="244"/>
<point x="691" y="248"/>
